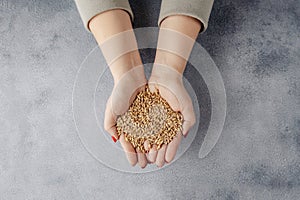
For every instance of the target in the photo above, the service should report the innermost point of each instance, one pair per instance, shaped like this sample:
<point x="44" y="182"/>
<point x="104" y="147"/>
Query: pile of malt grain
<point x="149" y="118"/>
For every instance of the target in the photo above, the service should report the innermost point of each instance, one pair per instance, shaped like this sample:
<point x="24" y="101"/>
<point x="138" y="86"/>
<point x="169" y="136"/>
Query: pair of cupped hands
<point x="168" y="81"/>
<point x="113" y="32"/>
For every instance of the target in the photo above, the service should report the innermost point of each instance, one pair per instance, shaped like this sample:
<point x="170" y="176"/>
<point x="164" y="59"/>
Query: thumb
<point x="110" y="120"/>
<point x="166" y="94"/>
<point x="184" y="105"/>
<point x="189" y="118"/>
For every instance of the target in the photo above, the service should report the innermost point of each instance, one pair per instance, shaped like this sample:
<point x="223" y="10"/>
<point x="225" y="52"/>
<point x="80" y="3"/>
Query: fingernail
<point x="114" y="139"/>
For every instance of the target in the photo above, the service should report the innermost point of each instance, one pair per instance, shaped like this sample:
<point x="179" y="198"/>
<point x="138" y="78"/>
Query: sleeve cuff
<point x="198" y="9"/>
<point x="90" y="8"/>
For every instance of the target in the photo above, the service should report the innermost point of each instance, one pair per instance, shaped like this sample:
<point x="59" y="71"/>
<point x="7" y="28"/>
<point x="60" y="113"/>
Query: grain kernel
<point x="151" y="118"/>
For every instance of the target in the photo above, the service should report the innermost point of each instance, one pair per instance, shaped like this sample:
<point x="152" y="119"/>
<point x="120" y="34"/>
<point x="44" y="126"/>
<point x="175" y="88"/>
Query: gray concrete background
<point x="254" y="43"/>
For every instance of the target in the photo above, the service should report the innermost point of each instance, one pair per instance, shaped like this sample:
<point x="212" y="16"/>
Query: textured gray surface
<point x="256" y="46"/>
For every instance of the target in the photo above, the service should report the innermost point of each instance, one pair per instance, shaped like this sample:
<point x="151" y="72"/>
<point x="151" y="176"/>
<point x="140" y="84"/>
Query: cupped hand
<point x="125" y="90"/>
<point x="169" y="83"/>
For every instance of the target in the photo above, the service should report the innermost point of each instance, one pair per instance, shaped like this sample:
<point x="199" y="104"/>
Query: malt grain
<point x="150" y="118"/>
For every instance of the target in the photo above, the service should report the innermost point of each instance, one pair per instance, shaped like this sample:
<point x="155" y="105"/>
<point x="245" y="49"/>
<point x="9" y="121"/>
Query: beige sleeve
<point x="90" y="8"/>
<point x="199" y="9"/>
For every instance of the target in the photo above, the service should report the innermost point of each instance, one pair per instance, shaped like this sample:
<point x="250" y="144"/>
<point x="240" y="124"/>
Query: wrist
<point x="165" y="72"/>
<point x="176" y="39"/>
<point x="124" y="64"/>
<point x="131" y="76"/>
<point x="169" y="59"/>
<point x="109" y="23"/>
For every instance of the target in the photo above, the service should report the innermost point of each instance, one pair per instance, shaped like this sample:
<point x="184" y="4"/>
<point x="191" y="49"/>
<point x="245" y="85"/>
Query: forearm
<point x="108" y="24"/>
<point x="185" y="25"/>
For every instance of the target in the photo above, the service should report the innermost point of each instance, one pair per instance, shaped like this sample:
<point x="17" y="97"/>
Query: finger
<point x="147" y="145"/>
<point x="189" y="120"/>
<point x="160" y="159"/>
<point x="170" y="98"/>
<point x="110" y="121"/>
<point x="148" y="162"/>
<point x="141" y="158"/>
<point x="186" y="126"/>
<point x="172" y="147"/>
<point x="152" y="154"/>
<point x="129" y="150"/>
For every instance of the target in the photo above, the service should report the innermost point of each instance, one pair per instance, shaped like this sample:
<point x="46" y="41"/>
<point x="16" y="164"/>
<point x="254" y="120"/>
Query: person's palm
<point x="170" y="86"/>
<point x="123" y="94"/>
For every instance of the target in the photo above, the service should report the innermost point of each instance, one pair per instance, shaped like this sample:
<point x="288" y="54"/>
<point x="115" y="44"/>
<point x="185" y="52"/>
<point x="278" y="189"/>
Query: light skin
<point x="189" y="27"/>
<point x="103" y="27"/>
<point x="107" y="24"/>
<point x="117" y="21"/>
<point x="182" y="24"/>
